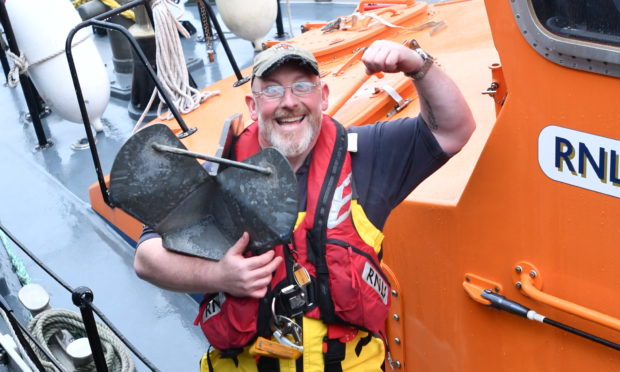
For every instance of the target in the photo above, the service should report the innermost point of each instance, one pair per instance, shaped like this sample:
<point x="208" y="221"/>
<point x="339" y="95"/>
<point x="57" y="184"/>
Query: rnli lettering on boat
<point x="370" y="276"/>
<point x="580" y="159"/>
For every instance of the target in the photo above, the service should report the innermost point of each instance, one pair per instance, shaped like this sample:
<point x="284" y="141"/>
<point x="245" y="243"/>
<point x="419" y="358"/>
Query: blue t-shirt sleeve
<point x="147" y="233"/>
<point x="393" y="157"/>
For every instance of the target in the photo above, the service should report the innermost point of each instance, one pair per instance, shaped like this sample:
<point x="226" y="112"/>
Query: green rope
<point x="17" y="264"/>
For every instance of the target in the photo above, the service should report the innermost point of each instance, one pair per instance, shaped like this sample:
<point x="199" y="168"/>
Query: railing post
<point x="83" y="297"/>
<point x="4" y="60"/>
<point x="279" y="27"/>
<point x="28" y="88"/>
<point x="220" y="34"/>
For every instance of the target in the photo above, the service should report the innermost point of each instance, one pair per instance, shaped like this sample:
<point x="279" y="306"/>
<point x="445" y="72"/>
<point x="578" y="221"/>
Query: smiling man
<point x="318" y="303"/>
<point x="288" y="104"/>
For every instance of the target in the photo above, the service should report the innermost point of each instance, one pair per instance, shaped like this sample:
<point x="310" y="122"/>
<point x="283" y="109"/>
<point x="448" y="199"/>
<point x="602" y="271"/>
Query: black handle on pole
<point x="502" y="303"/>
<point x="82" y="297"/>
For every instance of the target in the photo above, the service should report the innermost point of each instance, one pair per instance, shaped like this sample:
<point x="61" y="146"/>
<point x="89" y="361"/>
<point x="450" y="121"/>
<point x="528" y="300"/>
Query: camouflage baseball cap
<point x="268" y="60"/>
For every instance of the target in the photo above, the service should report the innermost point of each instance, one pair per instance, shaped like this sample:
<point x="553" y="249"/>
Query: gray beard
<point x="284" y="142"/>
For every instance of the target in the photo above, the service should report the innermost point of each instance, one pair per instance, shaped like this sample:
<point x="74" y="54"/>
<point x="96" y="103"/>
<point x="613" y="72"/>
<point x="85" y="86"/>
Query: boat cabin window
<point x="578" y="34"/>
<point x="588" y="20"/>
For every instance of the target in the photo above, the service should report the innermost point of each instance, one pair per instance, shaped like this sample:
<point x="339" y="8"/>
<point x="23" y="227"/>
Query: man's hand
<point x="388" y="56"/>
<point x="245" y="277"/>
<point x="234" y="273"/>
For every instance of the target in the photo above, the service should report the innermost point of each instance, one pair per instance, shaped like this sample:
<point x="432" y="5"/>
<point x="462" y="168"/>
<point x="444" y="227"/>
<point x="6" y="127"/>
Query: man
<point x="327" y="280"/>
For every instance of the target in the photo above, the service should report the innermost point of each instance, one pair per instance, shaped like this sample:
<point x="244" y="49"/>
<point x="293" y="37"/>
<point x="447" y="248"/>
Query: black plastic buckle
<point x="292" y="301"/>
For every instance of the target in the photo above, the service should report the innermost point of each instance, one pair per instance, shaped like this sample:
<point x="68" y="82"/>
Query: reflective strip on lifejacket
<point x="300" y="217"/>
<point x="367" y="231"/>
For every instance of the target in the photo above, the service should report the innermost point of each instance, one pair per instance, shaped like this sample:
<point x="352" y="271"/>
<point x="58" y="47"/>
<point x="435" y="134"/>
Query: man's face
<point x="290" y="123"/>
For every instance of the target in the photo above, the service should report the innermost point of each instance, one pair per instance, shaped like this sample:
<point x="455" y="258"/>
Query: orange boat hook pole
<point x="232" y="163"/>
<point x="333" y="108"/>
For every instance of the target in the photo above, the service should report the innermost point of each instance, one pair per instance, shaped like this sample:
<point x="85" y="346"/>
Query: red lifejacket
<point x="348" y="285"/>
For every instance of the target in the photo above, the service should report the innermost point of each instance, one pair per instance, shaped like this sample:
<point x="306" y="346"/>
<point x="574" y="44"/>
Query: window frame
<point x="566" y="51"/>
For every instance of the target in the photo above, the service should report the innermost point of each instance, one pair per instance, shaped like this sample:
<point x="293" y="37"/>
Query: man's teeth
<point x="289" y="120"/>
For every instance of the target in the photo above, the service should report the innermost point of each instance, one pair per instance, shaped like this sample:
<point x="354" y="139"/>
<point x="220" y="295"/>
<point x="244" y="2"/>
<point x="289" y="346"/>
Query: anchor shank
<point x="232" y="163"/>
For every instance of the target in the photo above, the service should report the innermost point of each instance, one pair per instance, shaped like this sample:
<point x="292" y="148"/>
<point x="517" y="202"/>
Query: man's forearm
<point x="442" y="105"/>
<point x="445" y="110"/>
<point x="234" y="274"/>
<point x="171" y="270"/>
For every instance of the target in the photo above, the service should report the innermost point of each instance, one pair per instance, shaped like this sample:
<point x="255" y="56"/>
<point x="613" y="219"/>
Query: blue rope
<point x="17" y="264"/>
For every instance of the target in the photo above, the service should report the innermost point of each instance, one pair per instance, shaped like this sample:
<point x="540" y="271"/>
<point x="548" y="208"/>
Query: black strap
<point x="361" y="343"/>
<point x="334" y="355"/>
<point x="268" y="364"/>
<point x="209" y="364"/>
<point x="354" y="194"/>
<point x="232" y="354"/>
<point x="263" y="319"/>
<point x="331" y="178"/>
<point x="318" y="235"/>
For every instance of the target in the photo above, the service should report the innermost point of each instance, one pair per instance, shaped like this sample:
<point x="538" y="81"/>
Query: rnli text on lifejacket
<point x="373" y="279"/>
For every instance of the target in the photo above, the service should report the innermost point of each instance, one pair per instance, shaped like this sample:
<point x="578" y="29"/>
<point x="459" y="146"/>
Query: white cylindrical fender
<point x="249" y="19"/>
<point x="41" y="28"/>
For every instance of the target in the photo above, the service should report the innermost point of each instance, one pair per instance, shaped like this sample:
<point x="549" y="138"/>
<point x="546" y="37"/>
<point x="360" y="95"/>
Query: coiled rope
<point x="171" y="67"/>
<point x="50" y="322"/>
<point x="65" y="285"/>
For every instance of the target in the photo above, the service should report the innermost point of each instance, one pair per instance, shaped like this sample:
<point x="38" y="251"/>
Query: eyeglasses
<point x="300" y="88"/>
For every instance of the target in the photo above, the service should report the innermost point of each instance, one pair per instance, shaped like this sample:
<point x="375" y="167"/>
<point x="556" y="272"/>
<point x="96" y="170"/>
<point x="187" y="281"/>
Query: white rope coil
<point x="170" y="61"/>
<point x="48" y="323"/>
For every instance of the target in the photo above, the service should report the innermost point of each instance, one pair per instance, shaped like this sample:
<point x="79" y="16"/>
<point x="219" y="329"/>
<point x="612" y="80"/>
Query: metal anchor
<point x="155" y="179"/>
